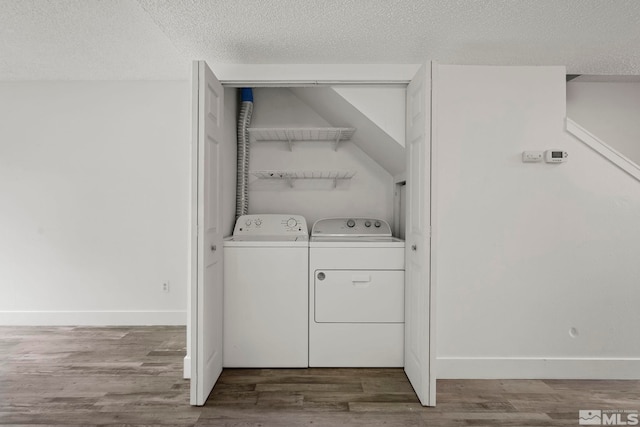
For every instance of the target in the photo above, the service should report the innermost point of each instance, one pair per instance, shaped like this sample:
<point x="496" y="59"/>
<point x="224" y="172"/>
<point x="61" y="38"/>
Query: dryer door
<point x="359" y="296"/>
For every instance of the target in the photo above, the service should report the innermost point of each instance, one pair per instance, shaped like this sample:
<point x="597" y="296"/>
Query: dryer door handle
<point x="361" y="278"/>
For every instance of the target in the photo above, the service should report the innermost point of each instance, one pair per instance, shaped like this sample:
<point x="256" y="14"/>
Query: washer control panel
<point x="271" y="225"/>
<point x="355" y="227"/>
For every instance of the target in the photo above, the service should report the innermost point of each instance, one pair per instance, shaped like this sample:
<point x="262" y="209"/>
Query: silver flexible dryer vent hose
<point x="242" y="181"/>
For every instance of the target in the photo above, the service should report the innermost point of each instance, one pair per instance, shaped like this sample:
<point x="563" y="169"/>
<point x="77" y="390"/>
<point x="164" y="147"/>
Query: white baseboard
<point x="538" y="368"/>
<point x="186" y="369"/>
<point x="93" y="318"/>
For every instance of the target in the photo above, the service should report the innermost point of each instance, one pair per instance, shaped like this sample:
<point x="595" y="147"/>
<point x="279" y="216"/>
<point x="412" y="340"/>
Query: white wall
<point x="526" y="252"/>
<point x="610" y="111"/>
<point x="368" y="193"/>
<point x="384" y="105"/>
<point x="94" y="185"/>
<point x="271" y="74"/>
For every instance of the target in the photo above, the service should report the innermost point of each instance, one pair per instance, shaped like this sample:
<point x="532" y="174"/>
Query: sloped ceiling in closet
<point x="369" y="137"/>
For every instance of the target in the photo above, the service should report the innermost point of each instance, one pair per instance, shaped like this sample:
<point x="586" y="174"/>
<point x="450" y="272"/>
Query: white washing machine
<point x="265" y="292"/>
<point x="356" y="294"/>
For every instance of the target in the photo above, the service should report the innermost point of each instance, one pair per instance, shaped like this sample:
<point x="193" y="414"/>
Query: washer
<point x="356" y="294"/>
<point x="266" y="265"/>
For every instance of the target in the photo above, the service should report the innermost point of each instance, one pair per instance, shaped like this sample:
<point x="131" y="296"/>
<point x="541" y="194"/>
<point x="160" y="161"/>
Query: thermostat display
<point x="555" y="156"/>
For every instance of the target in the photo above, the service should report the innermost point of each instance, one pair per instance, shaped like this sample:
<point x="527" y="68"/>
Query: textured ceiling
<point x="155" y="39"/>
<point x="83" y="40"/>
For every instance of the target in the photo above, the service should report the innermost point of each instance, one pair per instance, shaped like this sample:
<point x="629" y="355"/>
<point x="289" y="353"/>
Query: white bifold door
<point x="206" y="269"/>
<point x="419" y="348"/>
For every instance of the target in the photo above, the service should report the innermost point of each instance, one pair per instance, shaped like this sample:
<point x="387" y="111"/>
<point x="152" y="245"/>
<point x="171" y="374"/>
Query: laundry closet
<point x="310" y="171"/>
<point x="295" y="153"/>
<point x="318" y="152"/>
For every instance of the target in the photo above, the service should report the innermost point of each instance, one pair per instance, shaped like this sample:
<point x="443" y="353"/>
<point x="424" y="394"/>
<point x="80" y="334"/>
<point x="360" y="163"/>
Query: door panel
<point x="416" y="158"/>
<point x="419" y="349"/>
<point x="206" y="291"/>
<point x="359" y="296"/>
<point x="212" y="199"/>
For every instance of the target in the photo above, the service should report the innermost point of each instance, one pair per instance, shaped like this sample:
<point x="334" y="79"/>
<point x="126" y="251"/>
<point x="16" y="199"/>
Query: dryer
<point x="356" y="294"/>
<point x="265" y="292"/>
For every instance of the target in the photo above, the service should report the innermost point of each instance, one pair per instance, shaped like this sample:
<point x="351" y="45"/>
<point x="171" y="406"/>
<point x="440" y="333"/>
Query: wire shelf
<point x="291" y="135"/>
<point x="290" y="176"/>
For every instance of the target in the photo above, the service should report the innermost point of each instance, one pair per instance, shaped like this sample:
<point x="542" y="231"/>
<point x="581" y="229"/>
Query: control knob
<point x="291" y="222"/>
<point x="247" y="222"/>
<point x="258" y="222"/>
<point x="367" y="223"/>
<point x="377" y="224"/>
<point x="351" y="223"/>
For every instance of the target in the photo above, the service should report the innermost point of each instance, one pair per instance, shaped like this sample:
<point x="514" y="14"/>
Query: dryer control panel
<point x="353" y="227"/>
<point x="271" y="225"/>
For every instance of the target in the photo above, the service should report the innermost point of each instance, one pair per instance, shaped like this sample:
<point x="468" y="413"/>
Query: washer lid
<point x="276" y="238"/>
<point x="267" y="241"/>
<point x="356" y="242"/>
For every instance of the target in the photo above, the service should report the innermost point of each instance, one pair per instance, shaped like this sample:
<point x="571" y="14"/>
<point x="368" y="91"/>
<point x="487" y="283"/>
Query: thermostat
<point x="555" y="156"/>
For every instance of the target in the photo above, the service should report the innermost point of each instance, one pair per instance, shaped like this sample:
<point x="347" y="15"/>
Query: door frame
<point x="433" y="232"/>
<point x="192" y="271"/>
<point x="397" y="207"/>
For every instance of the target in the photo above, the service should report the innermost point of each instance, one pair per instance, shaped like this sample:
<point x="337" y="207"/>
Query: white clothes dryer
<point x="356" y="294"/>
<point x="265" y="292"/>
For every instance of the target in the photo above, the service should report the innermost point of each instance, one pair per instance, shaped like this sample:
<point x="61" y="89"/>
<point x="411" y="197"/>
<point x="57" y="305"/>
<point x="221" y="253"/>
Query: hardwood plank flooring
<point x="108" y="376"/>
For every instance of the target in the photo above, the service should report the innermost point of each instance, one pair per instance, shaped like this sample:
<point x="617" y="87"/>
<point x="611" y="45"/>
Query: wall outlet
<point x="165" y="286"/>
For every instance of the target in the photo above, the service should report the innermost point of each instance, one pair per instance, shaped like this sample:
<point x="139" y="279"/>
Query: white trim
<point x="186" y="367"/>
<point x="604" y="149"/>
<point x="93" y="318"/>
<point x="397" y="188"/>
<point x="195" y="216"/>
<point x="310" y="83"/>
<point x="538" y="368"/>
<point x="433" y="231"/>
<point x="192" y="270"/>
<point x="278" y="75"/>
<point x="400" y="178"/>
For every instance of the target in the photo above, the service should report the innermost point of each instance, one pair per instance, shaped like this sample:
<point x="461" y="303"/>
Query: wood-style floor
<point x="133" y="376"/>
